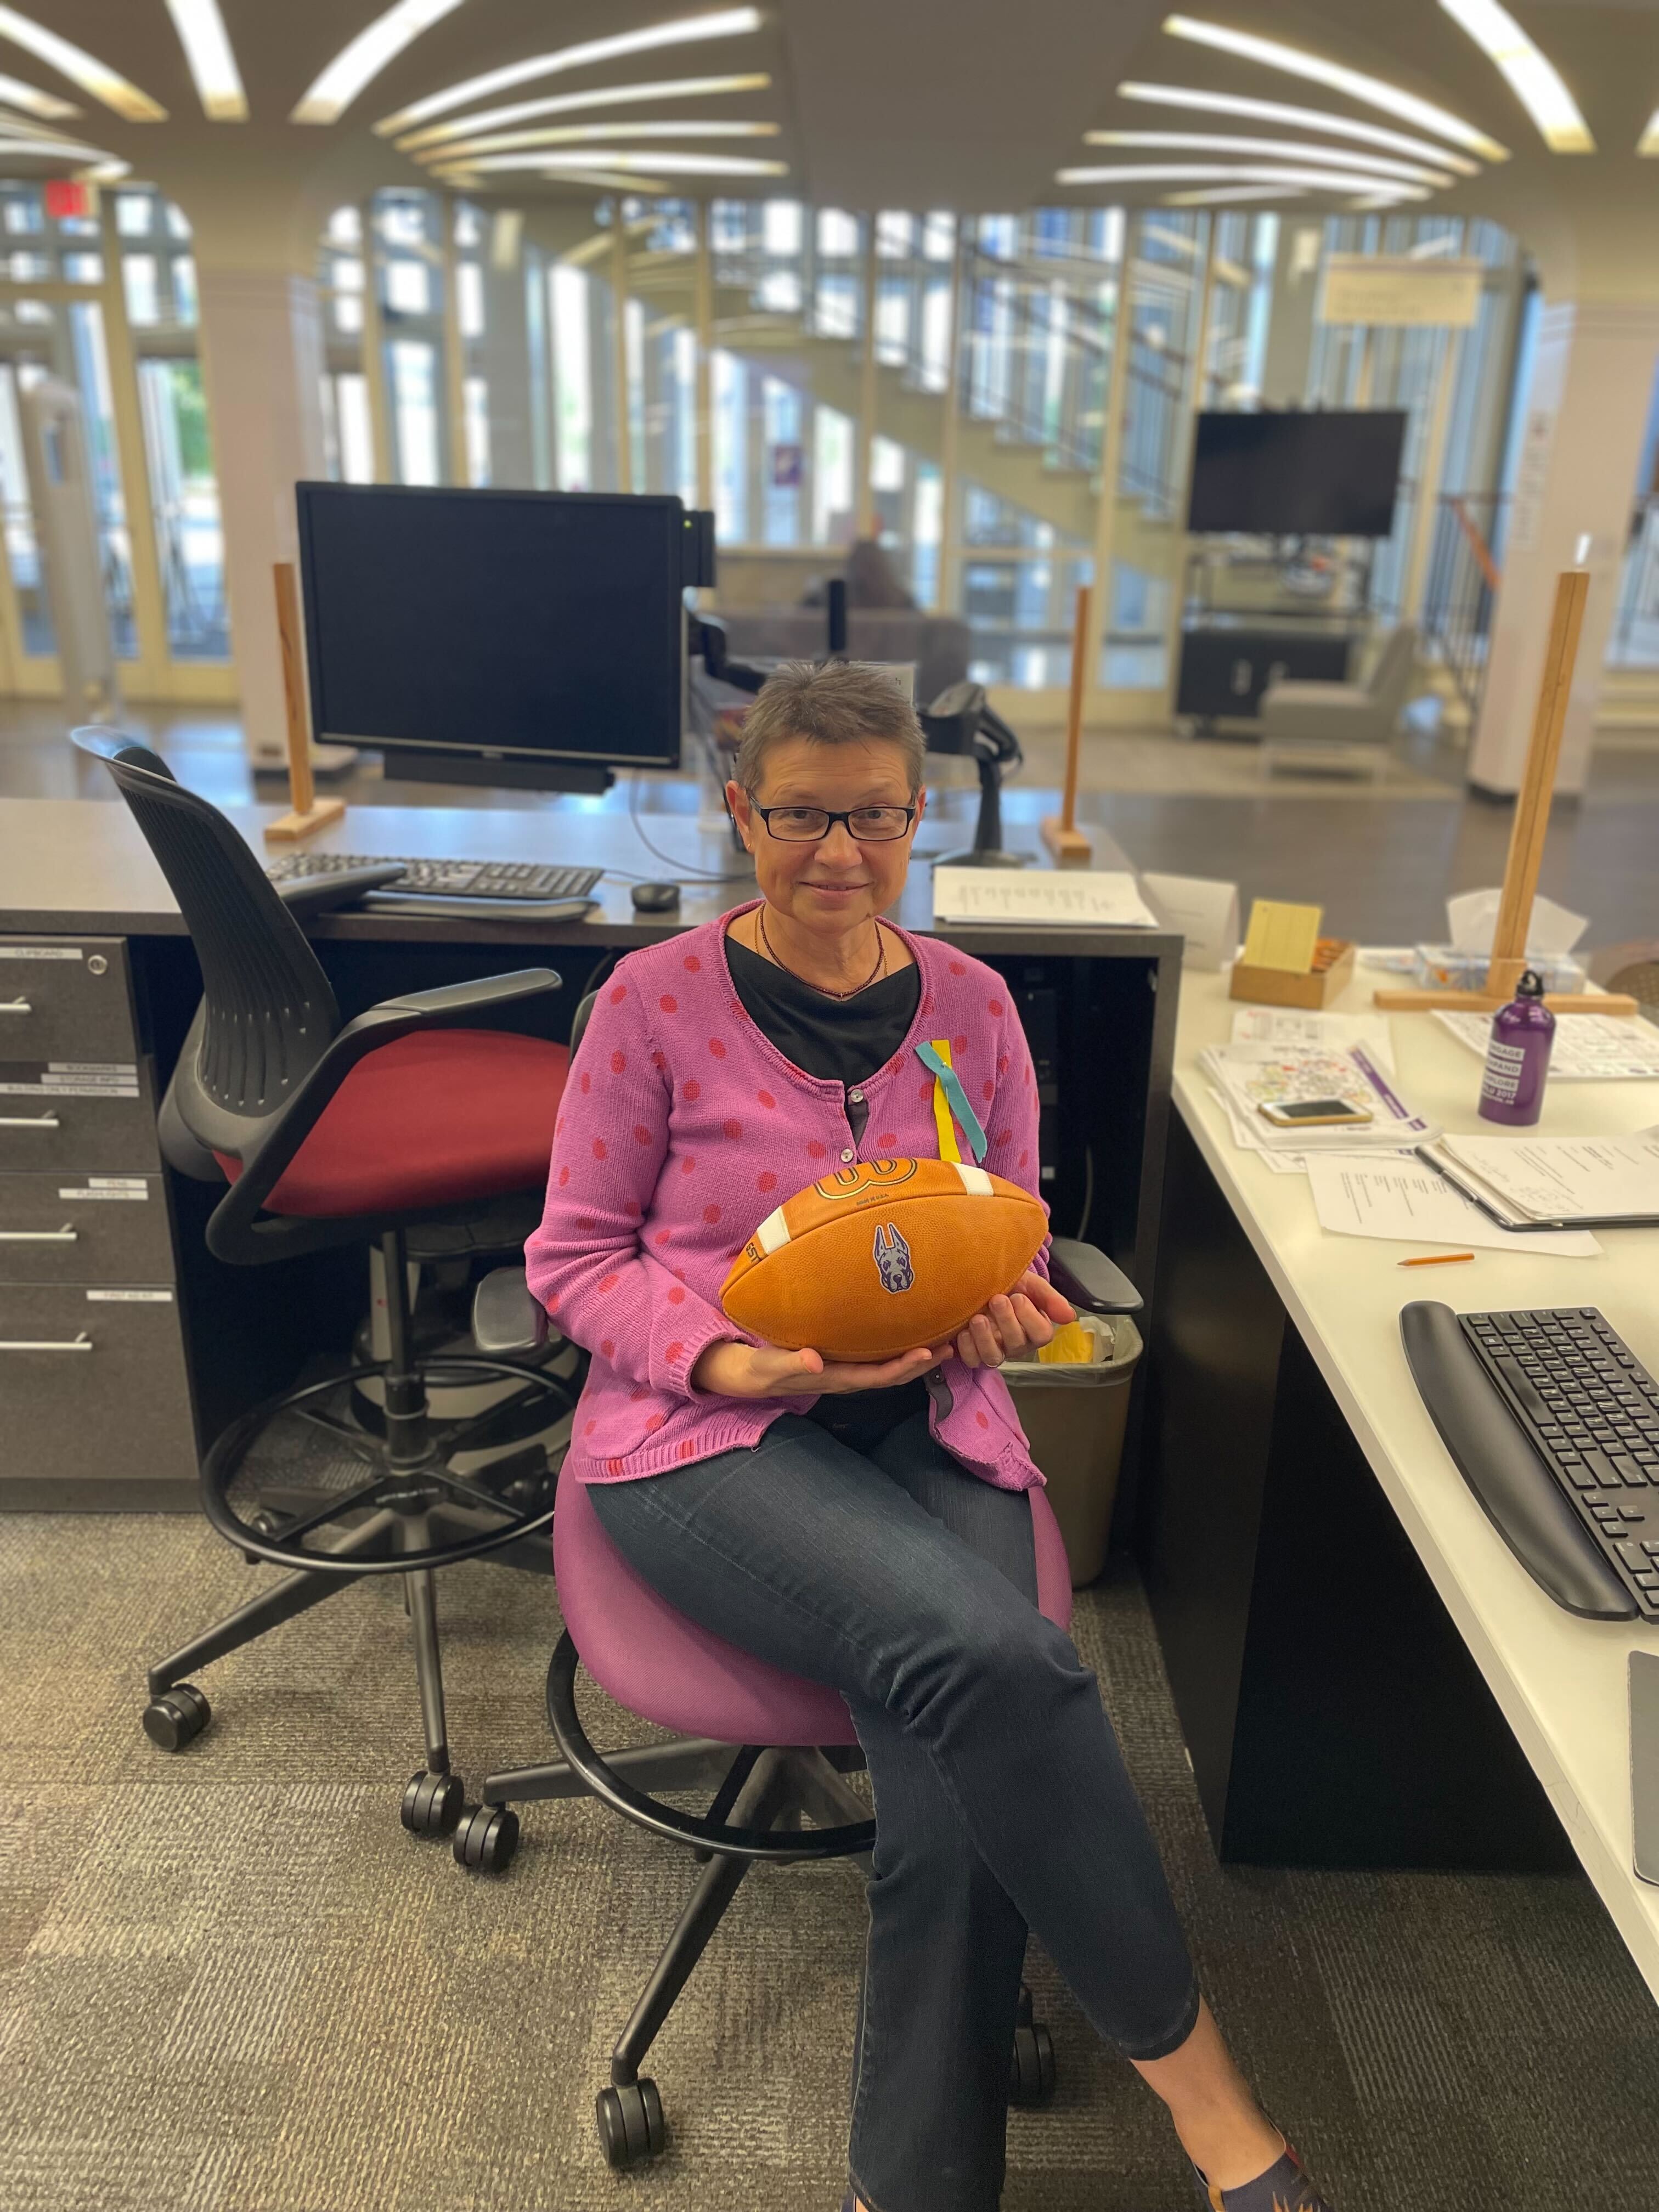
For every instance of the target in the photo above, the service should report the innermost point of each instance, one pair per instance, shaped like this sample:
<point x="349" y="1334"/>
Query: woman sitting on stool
<point x="864" y="1525"/>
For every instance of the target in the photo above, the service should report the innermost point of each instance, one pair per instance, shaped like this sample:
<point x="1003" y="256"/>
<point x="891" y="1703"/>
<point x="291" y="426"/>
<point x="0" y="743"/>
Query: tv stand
<point x="501" y="771"/>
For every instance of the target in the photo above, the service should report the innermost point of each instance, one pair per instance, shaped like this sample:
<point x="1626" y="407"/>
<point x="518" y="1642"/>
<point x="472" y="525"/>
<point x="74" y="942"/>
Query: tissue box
<point x="1443" y="967"/>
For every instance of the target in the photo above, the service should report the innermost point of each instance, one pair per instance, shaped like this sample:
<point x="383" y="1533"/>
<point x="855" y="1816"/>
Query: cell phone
<point x="1644" y="1762"/>
<point x="1312" y="1113"/>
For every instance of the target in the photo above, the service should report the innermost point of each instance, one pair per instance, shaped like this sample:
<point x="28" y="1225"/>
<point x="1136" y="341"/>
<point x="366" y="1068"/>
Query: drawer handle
<point x="29" y="1121"/>
<point x="15" y="1007"/>
<point x="82" y="1343"/>
<point x="64" y="1236"/>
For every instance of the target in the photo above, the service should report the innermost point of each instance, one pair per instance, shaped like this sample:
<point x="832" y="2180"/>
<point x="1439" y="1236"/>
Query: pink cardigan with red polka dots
<point x="681" y="1128"/>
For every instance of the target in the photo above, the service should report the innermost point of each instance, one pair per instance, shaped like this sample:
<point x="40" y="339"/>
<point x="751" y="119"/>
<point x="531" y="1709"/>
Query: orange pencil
<point x="1437" y="1260"/>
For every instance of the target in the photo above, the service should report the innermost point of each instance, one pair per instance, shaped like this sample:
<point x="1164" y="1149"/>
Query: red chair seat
<point x="429" y="1119"/>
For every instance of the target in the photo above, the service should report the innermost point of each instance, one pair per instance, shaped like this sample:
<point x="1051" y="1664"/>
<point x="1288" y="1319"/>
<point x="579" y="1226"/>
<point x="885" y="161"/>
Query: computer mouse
<point x="655" y="898"/>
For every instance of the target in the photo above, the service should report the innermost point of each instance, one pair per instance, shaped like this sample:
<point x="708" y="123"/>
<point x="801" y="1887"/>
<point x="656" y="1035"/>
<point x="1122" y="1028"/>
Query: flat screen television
<point x="544" y="630"/>
<point x="1317" y="474"/>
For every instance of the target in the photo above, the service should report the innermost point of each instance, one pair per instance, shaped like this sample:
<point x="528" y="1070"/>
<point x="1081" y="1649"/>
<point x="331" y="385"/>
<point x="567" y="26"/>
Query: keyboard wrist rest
<point x="1517" y="1490"/>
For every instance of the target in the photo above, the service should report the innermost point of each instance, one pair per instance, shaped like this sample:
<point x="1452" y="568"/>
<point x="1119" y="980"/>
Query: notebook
<point x="1553" y="1183"/>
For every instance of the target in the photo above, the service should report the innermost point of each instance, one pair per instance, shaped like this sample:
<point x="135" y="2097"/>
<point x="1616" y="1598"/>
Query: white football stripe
<point x="974" y="1180"/>
<point x="773" y="1232"/>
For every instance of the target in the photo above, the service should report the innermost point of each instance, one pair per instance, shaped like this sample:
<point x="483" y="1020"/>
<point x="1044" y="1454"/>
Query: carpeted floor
<point x="230" y="1983"/>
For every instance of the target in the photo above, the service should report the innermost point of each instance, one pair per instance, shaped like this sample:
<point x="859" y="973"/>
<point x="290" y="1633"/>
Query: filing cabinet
<point x="94" y="1392"/>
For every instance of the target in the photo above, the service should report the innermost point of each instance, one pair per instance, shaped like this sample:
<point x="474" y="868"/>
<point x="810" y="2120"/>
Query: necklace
<point x="879" y="967"/>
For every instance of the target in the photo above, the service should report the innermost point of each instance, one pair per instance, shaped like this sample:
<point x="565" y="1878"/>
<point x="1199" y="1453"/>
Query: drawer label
<point x="41" y="953"/>
<point x="68" y="1078"/>
<point x="69" y="1090"/>
<point x="129" y="1298"/>
<point x="88" y="1192"/>
<point x="89" y="1068"/>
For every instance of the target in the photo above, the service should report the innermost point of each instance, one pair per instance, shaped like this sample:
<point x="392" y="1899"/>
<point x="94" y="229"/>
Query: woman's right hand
<point x="730" y="1369"/>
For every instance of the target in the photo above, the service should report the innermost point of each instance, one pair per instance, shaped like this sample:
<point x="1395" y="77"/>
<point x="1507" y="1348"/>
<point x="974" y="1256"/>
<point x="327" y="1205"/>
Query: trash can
<point x="1073" y="1415"/>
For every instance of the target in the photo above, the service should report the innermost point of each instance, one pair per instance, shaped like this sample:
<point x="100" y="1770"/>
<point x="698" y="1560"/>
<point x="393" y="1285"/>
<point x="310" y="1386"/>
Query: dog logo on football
<point x="892" y="1258"/>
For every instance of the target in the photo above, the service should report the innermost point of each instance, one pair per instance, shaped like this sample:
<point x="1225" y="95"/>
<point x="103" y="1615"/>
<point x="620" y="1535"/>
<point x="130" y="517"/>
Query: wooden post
<point x="309" y="812"/>
<point x="1531" y="826"/>
<point x="1059" y="832"/>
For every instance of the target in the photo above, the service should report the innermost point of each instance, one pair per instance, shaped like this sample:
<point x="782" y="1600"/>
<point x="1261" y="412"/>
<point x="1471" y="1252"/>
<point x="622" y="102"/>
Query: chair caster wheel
<point x="631" y="2123"/>
<point x="1031" y="2070"/>
<point x="177" y="1716"/>
<point x="486" y="1837"/>
<point x="433" y="1803"/>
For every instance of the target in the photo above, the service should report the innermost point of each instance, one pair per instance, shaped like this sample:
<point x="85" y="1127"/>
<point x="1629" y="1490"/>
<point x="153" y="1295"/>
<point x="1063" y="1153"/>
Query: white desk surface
<point x="1560" y="1680"/>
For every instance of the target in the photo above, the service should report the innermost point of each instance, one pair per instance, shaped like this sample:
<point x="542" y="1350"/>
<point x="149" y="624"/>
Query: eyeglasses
<point x="806" y="825"/>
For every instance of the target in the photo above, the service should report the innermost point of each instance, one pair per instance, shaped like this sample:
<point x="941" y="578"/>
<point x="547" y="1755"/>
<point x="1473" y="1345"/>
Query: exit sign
<point x="66" y="197"/>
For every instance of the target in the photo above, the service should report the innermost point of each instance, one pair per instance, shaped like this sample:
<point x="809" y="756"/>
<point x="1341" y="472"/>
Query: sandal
<point x="1283" y="2188"/>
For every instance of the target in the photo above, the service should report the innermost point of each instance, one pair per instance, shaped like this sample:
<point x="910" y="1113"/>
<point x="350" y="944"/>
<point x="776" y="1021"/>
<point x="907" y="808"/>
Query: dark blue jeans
<point x="872" y="1562"/>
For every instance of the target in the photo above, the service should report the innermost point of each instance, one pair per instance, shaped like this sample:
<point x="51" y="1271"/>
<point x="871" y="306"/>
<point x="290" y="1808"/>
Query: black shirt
<point x="839" y="1041"/>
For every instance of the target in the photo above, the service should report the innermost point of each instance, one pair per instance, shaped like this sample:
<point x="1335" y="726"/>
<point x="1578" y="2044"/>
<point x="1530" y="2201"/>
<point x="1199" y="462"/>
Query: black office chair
<point x="774" y="1750"/>
<point x="414" y="1126"/>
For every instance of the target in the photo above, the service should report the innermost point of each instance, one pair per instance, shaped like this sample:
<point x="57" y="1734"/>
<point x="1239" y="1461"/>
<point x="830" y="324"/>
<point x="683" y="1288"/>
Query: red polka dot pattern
<point x="613" y="1466"/>
<point x="732" y="1129"/>
<point x="958" y="967"/>
<point x="959" y="1046"/>
<point x="585" y="1222"/>
<point x="607" y="1347"/>
<point x="692" y="965"/>
<point x="677" y="1295"/>
<point x="692" y="1090"/>
<point x="641" y="1135"/>
<point x="599" y="1153"/>
<point x="618" y="993"/>
<point x="618" y="1061"/>
<point x="994" y="1007"/>
<point x="669" y="1004"/>
<point x="982" y="1421"/>
<point x="607" y="1283"/>
<point x="717" y="1046"/>
<point x="814" y="1149"/>
<point x="662" y="1236"/>
<point x="688" y="1165"/>
<point x="653" y="1424"/>
<point x="688" y="1449"/>
<point x="887" y="1139"/>
<point x="671" y="1352"/>
<point x="564" y="1178"/>
<point x="586" y="1084"/>
<point x="767" y="1100"/>
<point x="989" y="1089"/>
<point x="765" y="1182"/>
<point x="711" y="1214"/>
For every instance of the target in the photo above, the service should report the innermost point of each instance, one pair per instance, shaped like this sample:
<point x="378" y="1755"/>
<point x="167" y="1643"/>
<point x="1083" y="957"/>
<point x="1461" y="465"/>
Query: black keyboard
<point x="1572" y="1478"/>
<point x="466" y="879"/>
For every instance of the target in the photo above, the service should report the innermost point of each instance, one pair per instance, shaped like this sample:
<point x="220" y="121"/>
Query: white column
<point x="1582" y="422"/>
<point x="261" y="357"/>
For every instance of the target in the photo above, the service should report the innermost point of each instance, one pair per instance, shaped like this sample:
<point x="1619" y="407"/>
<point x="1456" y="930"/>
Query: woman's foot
<point x="1283" y="2188"/>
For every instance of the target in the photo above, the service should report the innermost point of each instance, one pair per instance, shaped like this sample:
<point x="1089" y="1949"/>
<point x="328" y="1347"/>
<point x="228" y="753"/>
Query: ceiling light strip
<point x="15" y="93"/>
<point x="722" y="23"/>
<point x="582" y="134"/>
<point x="358" y="63"/>
<point x="1532" y="76"/>
<point x="1648" y="144"/>
<point x="1227" y="195"/>
<point x="566" y="103"/>
<point x="1219" y="173"/>
<point x="665" y="163"/>
<point x="213" y="68"/>
<point x="1301" y="118"/>
<point x="1269" y="150"/>
<point x="95" y="78"/>
<point x="1373" y="91"/>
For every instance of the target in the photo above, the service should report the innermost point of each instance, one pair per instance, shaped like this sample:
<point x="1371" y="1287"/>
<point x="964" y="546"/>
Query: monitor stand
<point x="987" y="851"/>
<point x="424" y="764"/>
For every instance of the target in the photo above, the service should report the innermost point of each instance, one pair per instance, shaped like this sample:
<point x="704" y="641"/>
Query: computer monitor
<point x="1326" y="473"/>
<point x="501" y="637"/>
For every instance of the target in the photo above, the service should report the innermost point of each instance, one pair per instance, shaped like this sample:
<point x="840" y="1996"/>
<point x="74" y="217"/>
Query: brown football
<point x="877" y="1258"/>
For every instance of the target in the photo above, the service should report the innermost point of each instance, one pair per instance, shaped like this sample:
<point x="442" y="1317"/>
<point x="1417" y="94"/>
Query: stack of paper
<point x="1247" y="1076"/>
<point x="1408" y="1202"/>
<point x="1553" y="1181"/>
<point x="1092" y="898"/>
<point x="1588" y="1047"/>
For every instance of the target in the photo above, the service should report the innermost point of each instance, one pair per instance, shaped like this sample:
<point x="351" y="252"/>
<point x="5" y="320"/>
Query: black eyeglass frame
<point x="831" y="820"/>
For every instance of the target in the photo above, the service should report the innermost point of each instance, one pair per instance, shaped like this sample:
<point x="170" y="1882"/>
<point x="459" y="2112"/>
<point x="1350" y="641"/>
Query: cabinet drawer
<point x="43" y="1129"/>
<point x="65" y="998"/>
<point x="61" y="1229"/>
<point x="116" y="1409"/>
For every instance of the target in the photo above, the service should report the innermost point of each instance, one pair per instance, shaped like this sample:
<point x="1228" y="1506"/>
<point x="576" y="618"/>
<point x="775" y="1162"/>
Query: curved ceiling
<point x="1532" y="111"/>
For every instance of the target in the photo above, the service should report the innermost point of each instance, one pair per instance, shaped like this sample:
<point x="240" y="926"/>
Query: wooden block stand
<point x="1532" y="821"/>
<point x="1071" y="849"/>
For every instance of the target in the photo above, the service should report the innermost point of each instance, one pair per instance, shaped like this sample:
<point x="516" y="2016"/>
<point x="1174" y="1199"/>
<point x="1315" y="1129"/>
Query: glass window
<point x="177" y="221"/>
<point x="408" y="288"/>
<point x="23" y="213"/>
<point x="832" y="477"/>
<point x="475" y="407"/>
<point x="132" y="214"/>
<point x="415" y="410"/>
<point x="838" y="233"/>
<point x="138" y="279"/>
<point x="469" y="299"/>
<point x="28" y="267"/>
<point x="573" y="383"/>
<point x="347" y="313"/>
<point x="186" y="305"/>
<point x="345" y="227"/>
<point x="356" y="434"/>
<point x="185" y="494"/>
<point x="730" y="410"/>
<point x="22" y="547"/>
<point x="402" y="222"/>
<point x="83" y="268"/>
<point x="780" y="229"/>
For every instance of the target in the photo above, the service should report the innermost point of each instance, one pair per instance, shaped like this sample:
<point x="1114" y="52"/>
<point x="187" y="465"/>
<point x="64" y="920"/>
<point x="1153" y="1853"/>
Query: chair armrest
<point x="448" y="1005"/>
<point x="307" y="896"/>
<point x="1083" y="1273"/>
<point x="505" y="1319"/>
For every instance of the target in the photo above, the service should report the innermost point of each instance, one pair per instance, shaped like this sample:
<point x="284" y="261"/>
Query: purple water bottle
<point x="1518" y="1057"/>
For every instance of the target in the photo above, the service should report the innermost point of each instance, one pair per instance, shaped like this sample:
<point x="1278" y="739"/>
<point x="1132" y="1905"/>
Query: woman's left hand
<point x="1013" y="1325"/>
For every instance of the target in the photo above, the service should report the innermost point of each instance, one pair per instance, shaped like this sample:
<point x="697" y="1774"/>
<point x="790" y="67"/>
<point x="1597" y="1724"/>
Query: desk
<point x="1099" y="1006"/>
<point x="1365" y="1675"/>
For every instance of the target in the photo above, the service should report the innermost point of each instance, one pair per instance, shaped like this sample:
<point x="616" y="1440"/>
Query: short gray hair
<point x="833" y="703"/>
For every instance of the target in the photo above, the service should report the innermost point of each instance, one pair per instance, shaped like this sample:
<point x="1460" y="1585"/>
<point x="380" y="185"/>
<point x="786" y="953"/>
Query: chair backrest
<point x="268" y="1011"/>
<point x="578" y="1019"/>
<point x="1391" y="678"/>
